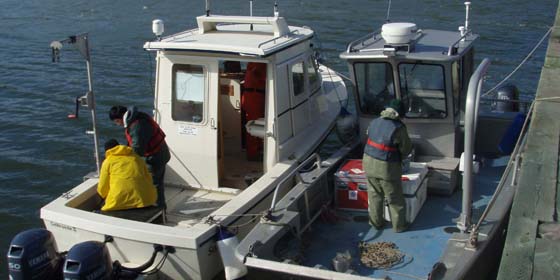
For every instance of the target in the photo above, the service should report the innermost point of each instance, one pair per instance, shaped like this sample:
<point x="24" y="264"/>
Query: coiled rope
<point x="380" y="254"/>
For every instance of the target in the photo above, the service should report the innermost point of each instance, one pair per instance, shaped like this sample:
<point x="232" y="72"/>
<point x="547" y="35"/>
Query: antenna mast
<point x="467" y="7"/>
<point x="276" y="12"/>
<point x="207" y="8"/>
<point x="251" y="11"/>
<point x="388" y="12"/>
<point x="465" y="29"/>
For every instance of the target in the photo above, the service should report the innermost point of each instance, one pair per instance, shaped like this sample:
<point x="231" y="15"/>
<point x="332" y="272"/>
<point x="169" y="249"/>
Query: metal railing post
<point x="471" y="111"/>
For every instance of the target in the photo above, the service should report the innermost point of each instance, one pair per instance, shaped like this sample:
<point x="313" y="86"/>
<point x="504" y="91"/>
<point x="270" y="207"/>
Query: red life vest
<point x="380" y="140"/>
<point x="158" y="137"/>
<point x="252" y="104"/>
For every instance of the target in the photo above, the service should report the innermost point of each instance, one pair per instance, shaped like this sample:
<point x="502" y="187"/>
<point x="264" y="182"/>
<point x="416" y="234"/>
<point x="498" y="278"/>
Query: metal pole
<point x="467" y="6"/>
<point x="93" y="115"/>
<point x="388" y="12"/>
<point x="471" y="109"/>
<point x="251" y="12"/>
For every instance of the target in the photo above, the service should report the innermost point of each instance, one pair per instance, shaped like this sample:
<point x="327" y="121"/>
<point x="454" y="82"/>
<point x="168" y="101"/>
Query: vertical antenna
<point x="388" y="12"/>
<point x="251" y="11"/>
<point x="276" y="12"/>
<point x="207" y="8"/>
<point x="467" y="6"/>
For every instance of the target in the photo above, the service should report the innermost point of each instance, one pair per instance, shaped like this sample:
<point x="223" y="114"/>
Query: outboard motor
<point x="507" y="93"/>
<point x="33" y="255"/>
<point x="88" y="260"/>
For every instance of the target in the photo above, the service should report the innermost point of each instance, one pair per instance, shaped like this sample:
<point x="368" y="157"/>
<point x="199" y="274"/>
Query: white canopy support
<point x="209" y="23"/>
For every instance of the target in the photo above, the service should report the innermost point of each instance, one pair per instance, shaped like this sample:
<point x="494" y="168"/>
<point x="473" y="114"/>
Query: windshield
<point x="375" y="86"/>
<point x="423" y="90"/>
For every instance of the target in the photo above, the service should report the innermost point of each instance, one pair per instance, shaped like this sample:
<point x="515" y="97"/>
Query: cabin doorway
<point x="241" y="125"/>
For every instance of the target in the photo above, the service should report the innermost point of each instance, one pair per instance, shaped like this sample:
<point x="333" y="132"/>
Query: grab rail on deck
<point x="451" y="48"/>
<point x="289" y="176"/>
<point x="471" y="119"/>
<point x="373" y="35"/>
<point x="514" y="161"/>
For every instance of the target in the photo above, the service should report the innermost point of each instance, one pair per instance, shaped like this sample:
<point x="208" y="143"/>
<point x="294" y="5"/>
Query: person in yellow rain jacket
<point x="124" y="182"/>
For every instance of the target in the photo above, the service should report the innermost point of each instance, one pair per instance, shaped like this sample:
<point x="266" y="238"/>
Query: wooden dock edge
<point x="526" y="255"/>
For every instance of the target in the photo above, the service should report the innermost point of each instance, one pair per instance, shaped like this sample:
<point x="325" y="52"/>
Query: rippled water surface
<point x="43" y="154"/>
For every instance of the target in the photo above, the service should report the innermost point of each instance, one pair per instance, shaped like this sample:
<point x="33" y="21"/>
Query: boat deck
<point x="424" y="242"/>
<point x="187" y="207"/>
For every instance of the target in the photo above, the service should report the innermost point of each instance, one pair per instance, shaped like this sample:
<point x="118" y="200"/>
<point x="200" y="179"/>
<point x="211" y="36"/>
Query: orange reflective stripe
<point x="381" y="146"/>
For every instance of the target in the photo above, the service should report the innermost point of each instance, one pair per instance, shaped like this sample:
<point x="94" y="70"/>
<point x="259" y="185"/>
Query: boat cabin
<point x="429" y="70"/>
<point x="235" y="96"/>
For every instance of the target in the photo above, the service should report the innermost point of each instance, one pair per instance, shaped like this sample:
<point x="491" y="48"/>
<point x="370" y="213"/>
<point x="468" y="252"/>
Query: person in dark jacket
<point x="387" y="144"/>
<point x="147" y="139"/>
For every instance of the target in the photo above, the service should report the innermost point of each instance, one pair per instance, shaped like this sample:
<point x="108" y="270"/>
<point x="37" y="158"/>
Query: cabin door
<point x="189" y="115"/>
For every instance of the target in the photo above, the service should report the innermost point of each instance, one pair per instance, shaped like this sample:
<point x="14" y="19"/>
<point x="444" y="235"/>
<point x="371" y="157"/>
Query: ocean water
<point x="43" y="153"/>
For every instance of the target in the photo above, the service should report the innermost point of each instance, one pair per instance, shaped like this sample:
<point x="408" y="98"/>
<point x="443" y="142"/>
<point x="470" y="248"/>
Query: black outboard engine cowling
<point x="508" y="94"/>
<point x="33" y="255"/>
<point x="88" y="260"/>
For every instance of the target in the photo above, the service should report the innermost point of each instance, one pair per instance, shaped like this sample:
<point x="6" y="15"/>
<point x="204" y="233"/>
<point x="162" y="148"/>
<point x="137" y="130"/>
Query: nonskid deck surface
<point x="423" y="243"/>
<point x="187" y="207"/>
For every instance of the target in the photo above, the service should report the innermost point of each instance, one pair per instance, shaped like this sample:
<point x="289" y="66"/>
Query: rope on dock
<point x="380" y="254"/>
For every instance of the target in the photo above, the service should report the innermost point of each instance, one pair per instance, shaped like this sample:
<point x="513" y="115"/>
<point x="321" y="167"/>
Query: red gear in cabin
<point x="252" y="104"/>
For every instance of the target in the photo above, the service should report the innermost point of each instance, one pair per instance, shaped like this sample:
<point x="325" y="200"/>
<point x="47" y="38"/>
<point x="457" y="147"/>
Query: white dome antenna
<point x="157" y="28"/>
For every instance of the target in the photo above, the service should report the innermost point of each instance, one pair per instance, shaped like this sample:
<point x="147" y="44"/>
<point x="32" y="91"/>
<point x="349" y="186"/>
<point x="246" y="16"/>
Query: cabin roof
<point x="233" y="34"/>
<point x="427" y="45"/>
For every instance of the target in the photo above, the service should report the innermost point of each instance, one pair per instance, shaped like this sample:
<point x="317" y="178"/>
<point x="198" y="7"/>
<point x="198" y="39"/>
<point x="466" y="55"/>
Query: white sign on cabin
<point x="187" y="130"/>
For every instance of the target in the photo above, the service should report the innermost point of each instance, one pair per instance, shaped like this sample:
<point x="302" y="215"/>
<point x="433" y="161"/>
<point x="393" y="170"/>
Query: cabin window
<point x="188" y="93"/>
<point x="423" y="90"/>
<point x="374" y="85"/>
<point x="314" y="82"/>
<point x="298" y="78"/>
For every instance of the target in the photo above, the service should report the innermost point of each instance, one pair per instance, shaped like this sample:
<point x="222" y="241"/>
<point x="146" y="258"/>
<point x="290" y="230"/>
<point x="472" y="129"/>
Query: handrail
<point x="351" y="44"/>
<point x="471" y="119"/>
<point x="450" y="49"/>
<point x="513" y="158"/>
<point x="304" y="163"/>
<point x="209" y="23"/>
<point x="293" y="32"/>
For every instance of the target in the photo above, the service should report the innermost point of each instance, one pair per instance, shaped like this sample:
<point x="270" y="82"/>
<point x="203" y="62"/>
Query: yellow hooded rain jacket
<point x="125" y="181"/>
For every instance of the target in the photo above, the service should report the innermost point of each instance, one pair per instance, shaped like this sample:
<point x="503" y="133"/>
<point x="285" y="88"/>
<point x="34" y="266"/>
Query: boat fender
<point x="33" y="255"/>
<point x="509" y="139"/>
<point x="346" y="126"/>
<point x="88" y="260"/>
<point x="475" y="167"/>
<point x="233" y="263"/>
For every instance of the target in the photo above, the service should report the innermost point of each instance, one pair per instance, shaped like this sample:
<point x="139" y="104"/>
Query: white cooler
<point x="415" y="184"/>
